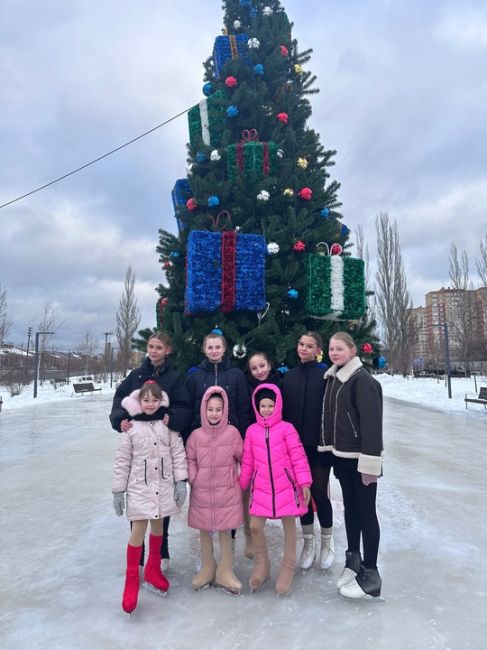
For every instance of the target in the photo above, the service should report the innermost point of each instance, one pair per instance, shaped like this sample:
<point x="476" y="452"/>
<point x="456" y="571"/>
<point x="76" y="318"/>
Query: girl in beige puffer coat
<point x="150" y="470"/>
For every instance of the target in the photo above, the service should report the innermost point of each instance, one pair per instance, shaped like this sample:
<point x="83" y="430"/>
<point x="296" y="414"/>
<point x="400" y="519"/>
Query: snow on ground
<point x="424" y="391"/>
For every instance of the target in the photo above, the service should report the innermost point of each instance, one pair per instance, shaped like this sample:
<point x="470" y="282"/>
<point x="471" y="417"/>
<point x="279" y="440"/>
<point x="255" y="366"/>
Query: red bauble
<point x="336" y="249"/>
<point x="191" y="204"/>
<point x="299" y="246"/>
<point x="367" y="348"/>
<point x="283" y="117"/>
<point x="284" y="50"/>
<point x="167" y="265"/>
<point x="306" y="193"/>
<point x="231" y="82"/>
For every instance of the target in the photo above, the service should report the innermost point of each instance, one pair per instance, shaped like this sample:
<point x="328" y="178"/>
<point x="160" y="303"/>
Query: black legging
<point x="360" y="514"/>
<point x="320" y="464"/>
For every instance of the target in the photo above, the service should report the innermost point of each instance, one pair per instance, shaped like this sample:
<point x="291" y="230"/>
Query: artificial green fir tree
<point x="258" y="214"/>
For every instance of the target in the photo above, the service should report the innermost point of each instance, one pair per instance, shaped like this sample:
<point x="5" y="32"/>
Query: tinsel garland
<point x="206" y="121"/>
<point x="228" y="270"/>
<point x="336" y="286"/>
<point x="254" y="159"/>
<point x="230" y="47"/>
<point x="224" y="271"/>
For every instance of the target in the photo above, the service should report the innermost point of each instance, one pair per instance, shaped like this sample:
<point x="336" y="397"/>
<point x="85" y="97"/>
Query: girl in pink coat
<point x="214" y="451"/>
<point x="275" y="466"/>
<point x="150" y="474"/>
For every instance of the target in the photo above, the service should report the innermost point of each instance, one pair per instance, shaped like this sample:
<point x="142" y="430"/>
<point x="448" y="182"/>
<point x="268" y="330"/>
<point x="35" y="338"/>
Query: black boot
<point x="353" y="562"/>
<point x="367" y="582"/>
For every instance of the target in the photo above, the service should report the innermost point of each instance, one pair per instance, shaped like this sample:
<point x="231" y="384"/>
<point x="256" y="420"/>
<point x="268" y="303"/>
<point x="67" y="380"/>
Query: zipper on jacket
<point x="270" y="471"/>
<point x="296" y="496"/>
<point x="351" y="424"/>
<point x="145" y="472"/>
<point x="252" y="485"/>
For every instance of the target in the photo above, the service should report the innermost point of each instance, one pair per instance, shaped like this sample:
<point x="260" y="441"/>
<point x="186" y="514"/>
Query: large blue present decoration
<point x="230" y="47"/>
<point x="206" y="121"/>
<point x="180" y="193"/>
<point x="225" y="271"/>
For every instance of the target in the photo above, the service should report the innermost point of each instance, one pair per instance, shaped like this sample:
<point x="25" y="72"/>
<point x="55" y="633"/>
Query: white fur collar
<point x="345" y="372"/>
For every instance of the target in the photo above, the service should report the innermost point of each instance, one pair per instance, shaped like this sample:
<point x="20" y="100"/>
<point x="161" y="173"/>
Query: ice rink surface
<point x="63" y="548"/>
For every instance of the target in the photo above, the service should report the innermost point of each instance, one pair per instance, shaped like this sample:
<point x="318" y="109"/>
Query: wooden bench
<point x="480" y="399"/>
<point x="80" y="389"/>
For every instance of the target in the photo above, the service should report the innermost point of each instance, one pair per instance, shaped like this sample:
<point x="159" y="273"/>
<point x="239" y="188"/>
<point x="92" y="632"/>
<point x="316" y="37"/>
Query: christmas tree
<point x="260" y="252"/>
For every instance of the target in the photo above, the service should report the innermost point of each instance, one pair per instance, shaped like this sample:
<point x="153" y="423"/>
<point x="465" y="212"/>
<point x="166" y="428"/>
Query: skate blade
<point x="253" y="590"/>
<point x="365" y="598"/>
<point x="207" y="585"/>
<point x="159" y="592"/>
<point x="227" y="590"/>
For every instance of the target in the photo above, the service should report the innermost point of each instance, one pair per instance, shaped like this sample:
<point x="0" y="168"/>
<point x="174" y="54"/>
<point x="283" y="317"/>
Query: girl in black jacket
<point x="260" y="371"/>
<point x="217" y="370"/>
<point x="155" y="366"/>
<point x="302" y="392"/>
<point x="352" y="430"/>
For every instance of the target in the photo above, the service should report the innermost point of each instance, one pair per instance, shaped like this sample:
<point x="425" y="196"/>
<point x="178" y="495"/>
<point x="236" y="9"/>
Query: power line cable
<point x="92" y="162"/>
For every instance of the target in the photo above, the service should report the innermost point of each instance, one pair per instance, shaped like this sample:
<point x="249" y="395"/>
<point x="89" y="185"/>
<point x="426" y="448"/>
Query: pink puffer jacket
<point x="149" y="460"/>
<point x="274" y="464"/>
<point x="213" y="452"/>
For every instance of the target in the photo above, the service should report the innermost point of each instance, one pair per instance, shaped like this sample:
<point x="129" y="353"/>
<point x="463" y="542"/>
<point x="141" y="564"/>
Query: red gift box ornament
<point x="299" y="246"/>
<point x="305" y="193"/>
<point x="283" y="118"/>
<point x="284" y="50"/>
<point x="230" y="82"/>
<point x="191" y="204"/>
<point x="367" y="348"/>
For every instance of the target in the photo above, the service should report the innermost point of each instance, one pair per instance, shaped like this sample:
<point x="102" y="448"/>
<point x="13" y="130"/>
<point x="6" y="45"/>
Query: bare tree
<point x="461" y="318"/>
<point x="482" y="261"/>
<point x="50" y="321"/>
<point x="393" y="302"/>
<point x="4" y="322"/>
<point x="128" y="319"/>
<point x="87" y="349"/>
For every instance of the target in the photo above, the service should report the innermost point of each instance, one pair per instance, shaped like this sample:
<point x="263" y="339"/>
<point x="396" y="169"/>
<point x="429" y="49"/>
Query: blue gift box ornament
<point x="230" y="47"/>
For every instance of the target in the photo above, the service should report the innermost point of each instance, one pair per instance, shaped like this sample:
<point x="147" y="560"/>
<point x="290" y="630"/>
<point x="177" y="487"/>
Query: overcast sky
<point x="403" y="101"/>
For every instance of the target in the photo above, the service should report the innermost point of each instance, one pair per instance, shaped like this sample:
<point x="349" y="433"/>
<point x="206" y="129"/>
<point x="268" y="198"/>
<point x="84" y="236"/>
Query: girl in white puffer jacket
<point x="151" y="471"/>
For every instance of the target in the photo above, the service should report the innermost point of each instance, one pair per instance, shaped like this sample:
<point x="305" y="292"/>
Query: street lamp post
<point x="106" y="335"/>
<point x="447" y="355"/>
<point x="36" y="359"/>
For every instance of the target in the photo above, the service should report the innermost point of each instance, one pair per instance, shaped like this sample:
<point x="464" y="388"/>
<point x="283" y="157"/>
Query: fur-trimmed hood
<point x="131" y="403"/>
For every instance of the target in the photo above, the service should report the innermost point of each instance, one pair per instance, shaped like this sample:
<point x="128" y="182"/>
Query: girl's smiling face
<point x="266" y="407"/>
<point x="259" y="367"/>
<point x="214" y="410"/>
<point x="214" y="349"/>
<point x="149" y="404"/>
<point x="308" y="349"/>
<point x="339" y="352"/>
<point x="157" y="351"/>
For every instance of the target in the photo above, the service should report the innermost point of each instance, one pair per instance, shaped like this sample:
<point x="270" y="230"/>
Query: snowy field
<point x="62" y="569"/>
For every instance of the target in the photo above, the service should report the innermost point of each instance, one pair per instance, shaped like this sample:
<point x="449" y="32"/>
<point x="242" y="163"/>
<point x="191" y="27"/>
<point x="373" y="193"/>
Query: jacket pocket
<point x="352" y="424"/>
<point x="145" y="472"/>
<point x="293" y="484"/>
<point x="162" y="467"/>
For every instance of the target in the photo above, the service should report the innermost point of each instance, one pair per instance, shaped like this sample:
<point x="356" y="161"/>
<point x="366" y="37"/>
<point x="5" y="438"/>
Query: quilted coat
<point x="274" y="464"/>
<point x="215" y="501"/>
<point x="149" y="460"/>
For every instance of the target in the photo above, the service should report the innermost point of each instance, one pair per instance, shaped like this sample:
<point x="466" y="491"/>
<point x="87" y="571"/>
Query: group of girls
<point x="252" y="447"/>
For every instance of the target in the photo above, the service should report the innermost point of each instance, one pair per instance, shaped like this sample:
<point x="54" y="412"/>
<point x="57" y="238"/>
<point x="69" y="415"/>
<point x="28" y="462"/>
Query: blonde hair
<point x="161" y="336"/>
<point x="214" y="335"/>
<point x="345" y="338"/>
